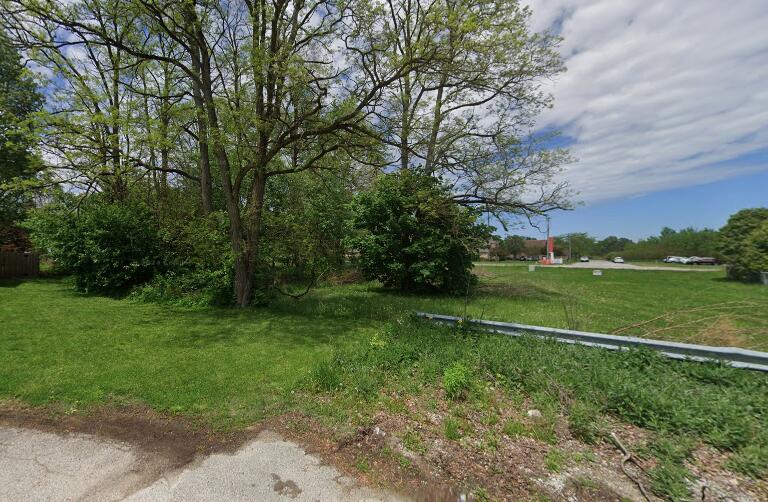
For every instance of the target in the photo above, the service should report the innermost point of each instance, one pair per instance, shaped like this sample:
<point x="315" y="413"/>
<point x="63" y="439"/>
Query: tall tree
<point x="468" y="116"/>
<point x="273" y="96"/>
<point x="19" y="99"/>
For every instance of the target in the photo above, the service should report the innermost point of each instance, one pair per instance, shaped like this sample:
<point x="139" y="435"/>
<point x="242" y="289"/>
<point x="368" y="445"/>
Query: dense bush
<point x="106" y="247"/>
<point x="412" y="236"/>
<point x="196" y="288"/>
<point x="303" y="232"/>
<point x="744" y="244"/>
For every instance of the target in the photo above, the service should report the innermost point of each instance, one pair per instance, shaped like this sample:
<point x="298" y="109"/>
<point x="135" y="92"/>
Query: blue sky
<point x="700" y="206"/>
<point x="664" y="105"/>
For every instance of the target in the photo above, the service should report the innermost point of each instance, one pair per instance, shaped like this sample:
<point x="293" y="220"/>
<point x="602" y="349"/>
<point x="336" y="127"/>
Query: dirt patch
<point x="177" y="439"/>
<point x="722" y="332"/>
<point x="367" y="454"/>
<point x="410" y="451"/>
<point x="348" y="276"/>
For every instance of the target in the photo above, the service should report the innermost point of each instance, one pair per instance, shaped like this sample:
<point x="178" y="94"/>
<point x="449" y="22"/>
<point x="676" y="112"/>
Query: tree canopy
<point x="220" y="103"/>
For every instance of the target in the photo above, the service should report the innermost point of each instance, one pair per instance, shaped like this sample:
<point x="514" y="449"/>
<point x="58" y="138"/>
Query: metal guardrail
<point x="736" y="357"/>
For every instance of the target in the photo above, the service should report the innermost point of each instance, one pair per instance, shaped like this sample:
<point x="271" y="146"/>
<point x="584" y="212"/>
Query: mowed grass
<point x="231" y="366"/>
<point x="226" y="366"/>
<point x="695" y="307"/>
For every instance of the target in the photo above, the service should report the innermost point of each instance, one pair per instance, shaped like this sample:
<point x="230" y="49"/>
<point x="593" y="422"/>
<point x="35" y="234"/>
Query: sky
<point x="665" y="107"/>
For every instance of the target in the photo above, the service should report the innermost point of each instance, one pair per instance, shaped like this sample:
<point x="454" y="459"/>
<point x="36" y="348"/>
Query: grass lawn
<point x="696" y="307"/>
<point x="224" y="365"/>
<point x="352" y="347"/>
<point x="234" y="365"/>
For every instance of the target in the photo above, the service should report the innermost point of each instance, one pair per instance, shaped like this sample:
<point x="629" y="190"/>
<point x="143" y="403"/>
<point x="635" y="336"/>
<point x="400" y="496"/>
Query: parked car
<point x="584" y="259"/>
<point x="702" y="260"/>
<point x="674" y="259"/>
<point x="618" y="259"/>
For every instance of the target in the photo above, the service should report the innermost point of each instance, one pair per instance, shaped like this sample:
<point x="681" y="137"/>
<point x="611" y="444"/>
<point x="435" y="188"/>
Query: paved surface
<point x="40" y="466"/>
<point x="605" y="264"/>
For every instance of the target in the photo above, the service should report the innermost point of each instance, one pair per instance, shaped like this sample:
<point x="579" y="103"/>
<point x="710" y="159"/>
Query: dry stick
<point x="714" y="306"/>
<point x="683" y="324"/>
<point x="626" y="458"/>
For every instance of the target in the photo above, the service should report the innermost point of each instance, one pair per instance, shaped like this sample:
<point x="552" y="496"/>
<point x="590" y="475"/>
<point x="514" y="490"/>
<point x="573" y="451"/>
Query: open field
<point x="349" y="357"/>
<point x="62" y="346"/>
<point x="692" y="307"/>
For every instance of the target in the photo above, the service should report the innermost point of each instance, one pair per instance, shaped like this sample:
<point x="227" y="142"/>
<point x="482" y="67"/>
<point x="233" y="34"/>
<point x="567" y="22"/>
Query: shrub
<point x="106" y="247"/>
<point x="198" y="288"/>
<point x="456" y="380"/>
<point x="412" y="236"/>
<point x="756" y="251"/>
<point x="744" y="243"/>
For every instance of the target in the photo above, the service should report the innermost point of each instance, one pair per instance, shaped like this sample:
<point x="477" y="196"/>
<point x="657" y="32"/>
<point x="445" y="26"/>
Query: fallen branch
<point x="627" y="457"/>
<point x="715" y="306"/>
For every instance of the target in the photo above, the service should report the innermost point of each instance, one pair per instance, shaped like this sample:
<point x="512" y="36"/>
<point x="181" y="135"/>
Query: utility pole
<point x="549" y="250"/>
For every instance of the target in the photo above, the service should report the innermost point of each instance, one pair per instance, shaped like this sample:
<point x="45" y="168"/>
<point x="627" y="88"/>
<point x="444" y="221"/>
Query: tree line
<point x="197" y="142"/>
<point x="742" y="244"/>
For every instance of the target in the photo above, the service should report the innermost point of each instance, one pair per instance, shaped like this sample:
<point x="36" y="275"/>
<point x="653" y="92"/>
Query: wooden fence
<point x="19" y="264"/>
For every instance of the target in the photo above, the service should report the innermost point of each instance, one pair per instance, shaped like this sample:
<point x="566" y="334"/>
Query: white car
<point x="618" y="259"/>
<point x="674" y="259"/>
<point x="584" y="259"/>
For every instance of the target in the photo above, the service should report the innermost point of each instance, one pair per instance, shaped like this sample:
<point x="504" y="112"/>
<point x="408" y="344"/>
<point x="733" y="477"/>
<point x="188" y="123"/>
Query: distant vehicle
<point x="584" y="259"/>
<point x="618" y="259"/>
<point x="674" y="259"/>
<point x="702" y="260"/>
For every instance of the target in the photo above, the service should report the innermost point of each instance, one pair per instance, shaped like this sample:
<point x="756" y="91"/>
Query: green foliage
<point x="584" y="422"/>
<point x="554" y="460"/>
<point x="327" y="376"/>
<point x="744" y="244"/>
<point x="412" y="236"/>
<point x="457" y="380"/>
<point x="612" y="244"/>
<point x="718" y="405"/>
<point x="197" y="288"/>
<point x="197" y="262"/>
<point x="510" y="246"/>
<point x="580" y="244"/>
<point x="452" y="429"/>
<point x="669" y="480"/>
<point x="108" y="248"/>
<point x="305" y="227"/>
<point x="752" y="460"/>
<point x="19" y="100"/>
<point x="669" y="242"/>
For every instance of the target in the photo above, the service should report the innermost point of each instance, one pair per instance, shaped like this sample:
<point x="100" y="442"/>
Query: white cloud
<point x="659" y="93"/>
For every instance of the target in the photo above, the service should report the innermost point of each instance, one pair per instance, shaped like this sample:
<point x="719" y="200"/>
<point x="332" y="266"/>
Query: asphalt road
<point x="605" y="264"/>
<point x="37" y="465"/>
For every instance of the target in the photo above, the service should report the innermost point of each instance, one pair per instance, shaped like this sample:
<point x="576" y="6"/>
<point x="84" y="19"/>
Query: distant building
<point x="488" y="252"/>
<point x="534" y="249"/>
<point x="14" y="239"/>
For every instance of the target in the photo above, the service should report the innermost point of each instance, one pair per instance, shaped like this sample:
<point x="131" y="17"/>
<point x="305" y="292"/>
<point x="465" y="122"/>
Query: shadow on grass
<point x="10" y="283"/>
<point x="232" y="327"/>
<point x="517" y="291"/>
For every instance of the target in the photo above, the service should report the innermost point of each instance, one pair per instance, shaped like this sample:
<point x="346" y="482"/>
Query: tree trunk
<point x="206" y="184"/>
<point x="201" y="63"/>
